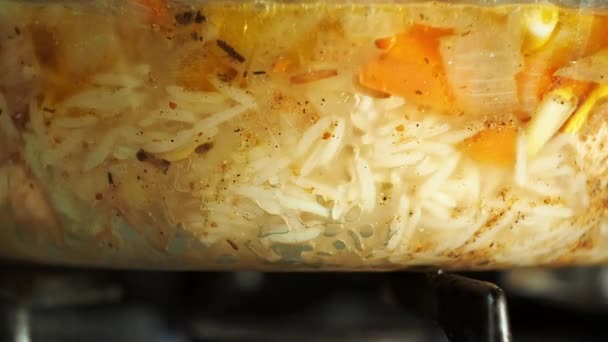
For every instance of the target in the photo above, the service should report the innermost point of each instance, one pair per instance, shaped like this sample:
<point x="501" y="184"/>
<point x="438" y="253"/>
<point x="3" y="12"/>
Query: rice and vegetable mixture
<point x="154" y="134"/>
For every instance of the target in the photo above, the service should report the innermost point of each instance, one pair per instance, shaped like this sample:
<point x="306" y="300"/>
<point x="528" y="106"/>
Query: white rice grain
<point x="275" y="202"/>
<point x="578" y="189"/>
<point x="471" y="226"/>
<point x="307" y="206"/>
<point x="390" y="128"/>
<point x="489" y="236"/>
<point x="342" y="208"/>
<point x="295" y="237"/>
<point x="521" y="161"/>
<point x="75" y="122"/>
<point x="70" y="144"/>
<point x="100" y="151"/>
<point x="491" y="179"/>
<point x="180" y="94"/>
<point x="398" y="225"/>
<point x="270" y="169"/>
<point x="543" y="188"/>
<point x="239" y="95"/>
<point x="398" y="160"/>
<point x="545" y="165"/>
<point x="550" y="211"/>
<point x="117" y="80"/>
<point x="426" y="167"/>
<point x="312" y="161"/>
<point x="390" y="103"/>
<point x="366" y="184"/>
<point x="429" y="147"/>
<point x="473" y="178"/>
<point x="455" y="137"/>
<point x="435" y="213"/>
<point x="174" y="142"/>
<point x="266" y="200"/>
<point x="36" y="118"/>
<point x="311" y="134"/>
<point x="435" y="130"/>
<point x="208" y="128"/>
<point x="176" y="115"/>
<point x="217" y="119"/>
<point x="104" y="101"/>
<point x="444" y="199"/>
<point x="413" y="224"/>
<point x="444" y="172"/>
<point x="259" y="162"/>
<point x="327" y="191"/>
<point x="124" y="152"/>
<point x="361" y="120"/>
<point x="334" y="143"/>
<point x="290" y="189"/>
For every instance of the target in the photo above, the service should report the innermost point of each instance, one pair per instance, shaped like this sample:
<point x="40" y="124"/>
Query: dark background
<point x="57" y="304"/>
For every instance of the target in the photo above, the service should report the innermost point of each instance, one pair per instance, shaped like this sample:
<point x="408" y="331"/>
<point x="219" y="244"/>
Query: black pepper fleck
<point x="200" y="149"/>
<point x="164" y="165"/>
<point x="233" y="245"/>
<point x="232" y="53"/>
<point x="142" y="155"/>
<point x="199" y="18"/>
<point x="185" y="18"/>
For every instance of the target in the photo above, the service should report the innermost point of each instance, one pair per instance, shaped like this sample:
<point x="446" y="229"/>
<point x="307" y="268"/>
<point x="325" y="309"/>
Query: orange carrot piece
<point x="411" y="67"/>
<point x="494" y="145"/>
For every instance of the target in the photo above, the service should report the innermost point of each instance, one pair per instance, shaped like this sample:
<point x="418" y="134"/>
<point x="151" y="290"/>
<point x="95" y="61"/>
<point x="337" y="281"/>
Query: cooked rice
<point x="239" y="95"/>
<point x="177" y="115"/>
<point x="295" y="237"/>
<point x="100" y="151"/>
<point x="352" y="169"/>
<point x="433" y="181"/>
<point x="69" y="145"/>
<point x="104" y="100"/>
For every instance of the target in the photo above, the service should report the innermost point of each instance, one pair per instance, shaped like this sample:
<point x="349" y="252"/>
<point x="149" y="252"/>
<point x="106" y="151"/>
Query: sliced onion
<point x="481" y="69"/>
<point x="592" y="68"/>
<point x="567" y="42"/>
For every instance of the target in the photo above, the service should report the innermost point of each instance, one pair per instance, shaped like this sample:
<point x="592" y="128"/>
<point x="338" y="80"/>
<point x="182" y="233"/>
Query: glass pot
<point x="289" y="135"/>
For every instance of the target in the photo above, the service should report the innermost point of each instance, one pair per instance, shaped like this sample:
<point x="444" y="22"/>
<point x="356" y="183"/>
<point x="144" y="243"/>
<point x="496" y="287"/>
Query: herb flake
<point x="232" y="53"/>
